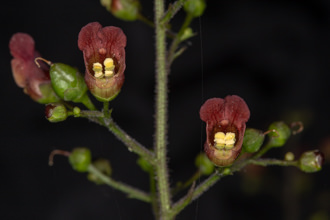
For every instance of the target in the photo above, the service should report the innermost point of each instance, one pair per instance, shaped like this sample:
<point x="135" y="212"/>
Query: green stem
<point x="175" y="43"/>
<point x="129" y="190"/>
<point x="88" y="103"/>
<point x="173" y="9"/>
<point x="161" y="113"/>
<point x="153" y="192"/>
<point x="131" y="144"/>
<point x="266" y="162"/>
<point x="145" y="20"/>
<point x="106" y="111"/>
<point x="188" y="183"/>
<point x="90" y="114"/>
<point x="128" y="141"/>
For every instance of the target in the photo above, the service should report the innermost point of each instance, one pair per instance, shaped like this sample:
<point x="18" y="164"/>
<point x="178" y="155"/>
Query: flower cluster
<point x="104" y="55"/>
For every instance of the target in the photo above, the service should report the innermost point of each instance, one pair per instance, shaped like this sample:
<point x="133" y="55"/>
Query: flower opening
<point x="225" y="126"/>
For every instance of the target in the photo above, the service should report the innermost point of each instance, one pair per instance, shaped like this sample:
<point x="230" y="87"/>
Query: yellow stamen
<point x="97" y="68"/>
<point x="223" y="140"/>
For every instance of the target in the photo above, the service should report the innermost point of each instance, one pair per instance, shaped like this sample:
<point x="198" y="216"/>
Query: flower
<point x="27" y="75"/>
<point x="225" y="126"/>
<point x="103" y="48"/>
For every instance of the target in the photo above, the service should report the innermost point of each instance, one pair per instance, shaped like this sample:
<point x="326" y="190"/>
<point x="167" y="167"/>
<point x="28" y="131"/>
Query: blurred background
<point x="274" y="54"/>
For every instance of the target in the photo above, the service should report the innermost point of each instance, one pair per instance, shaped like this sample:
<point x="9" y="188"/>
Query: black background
<point x="274" y="54"/>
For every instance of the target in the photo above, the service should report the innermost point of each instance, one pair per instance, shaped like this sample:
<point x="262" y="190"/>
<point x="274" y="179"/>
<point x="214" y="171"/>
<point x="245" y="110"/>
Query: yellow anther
<point x="223" y="140"/>
<point x="97" y="68"/>
<point x="108" y="64"/>
<point x="108" y="73"/>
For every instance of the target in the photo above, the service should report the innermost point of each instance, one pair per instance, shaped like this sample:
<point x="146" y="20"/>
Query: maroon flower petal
<point x="26" y="73"/>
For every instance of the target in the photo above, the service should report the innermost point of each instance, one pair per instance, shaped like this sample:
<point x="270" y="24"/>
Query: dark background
<point x="274" y="54"/>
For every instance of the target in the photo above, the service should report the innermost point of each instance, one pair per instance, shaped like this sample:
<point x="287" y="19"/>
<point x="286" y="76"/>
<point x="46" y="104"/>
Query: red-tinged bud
<point x="104" y="57"/>
<point x="311" y="161"/>
<point x="35" y="81"/>
<point x="56" y="112"/>
<point x="127" y="10"/>
<point x="225" y="126"/>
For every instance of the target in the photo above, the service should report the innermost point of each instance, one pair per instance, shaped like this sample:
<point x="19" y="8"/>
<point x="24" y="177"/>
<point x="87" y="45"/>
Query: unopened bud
<point x="253" y="139"/>
<point x="127" y="10"/>
<point x="80" y="159"/>
<point x="195" y="7"/>
<point x="204" y="164"/>
<point x="56" y="112"/>
<point x="311" y="161"/>
<point x="280" y="135"/>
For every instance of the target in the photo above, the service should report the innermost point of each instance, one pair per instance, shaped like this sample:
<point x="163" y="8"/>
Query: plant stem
<point x="129" y="190"/>
<point x="106" y="111"/>
<point x="188" y="183"/>
<point x="173" y="9"/>
<point x="175" y="43"/>
<point x="266" y="162"/>
<point x="128" y="141"/>
<point x="131" y="144"/>
<point x="161" y="113"/>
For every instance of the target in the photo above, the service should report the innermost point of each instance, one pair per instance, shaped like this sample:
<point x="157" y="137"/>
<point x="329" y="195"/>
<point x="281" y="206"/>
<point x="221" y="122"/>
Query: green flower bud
<point x="104" y="167"/>
<point x="253" y="139"/>
<point x="188" y="33"/>
<point x="56" y="112"/>
<point x="194" y="7"/>
<point x="80" y="159"/>
<point x="204" y="165"/>
<point x="127" y="10"/>
<point x="311" y="161"/>
<point x="67" y="82"/>
<point x="279" y="138"/>
<point x="145" y="165"/>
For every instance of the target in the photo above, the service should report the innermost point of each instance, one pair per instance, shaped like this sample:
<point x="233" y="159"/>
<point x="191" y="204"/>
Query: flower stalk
<point x="161" y="112"/>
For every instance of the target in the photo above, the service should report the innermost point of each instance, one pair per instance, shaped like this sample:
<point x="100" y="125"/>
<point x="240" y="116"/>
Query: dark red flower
<point x="104" y="56"/>
<point x="27" y="75"/>
<point x="225" y="126"/>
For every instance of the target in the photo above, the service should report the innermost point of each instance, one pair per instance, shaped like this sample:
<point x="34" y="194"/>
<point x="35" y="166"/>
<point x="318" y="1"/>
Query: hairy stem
<point x="161" y="113"/>
<point x="129" y="190"/>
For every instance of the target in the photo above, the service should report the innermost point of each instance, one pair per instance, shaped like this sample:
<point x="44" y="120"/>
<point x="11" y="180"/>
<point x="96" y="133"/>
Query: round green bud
<point x="204" y="165"/>
<point x="67" y="82"/>
<point x="253" y="139"/>
<point x="127" y="10"/>
<point x="279" y="138"/>
<point x="311" y="161"/>
<point x="80" y="159"/>
<point x="289" y="156"/>
<point x="145" y="165"/>
<point x="103" y="166"/>
<point x="56" y="112"/>
<point x="76" y="112"/>
<point x="194" y="7"/>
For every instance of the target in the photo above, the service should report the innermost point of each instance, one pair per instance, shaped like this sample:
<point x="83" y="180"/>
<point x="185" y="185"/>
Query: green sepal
<point x="282" y="134"/>
<point x="253" y="140"/>
<point x="204" y="165"/>
<point x="194" y="7"/>
<point x="80" y="159"/>
<point x="67" y="82"/>
<point x="48" y="94"/>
